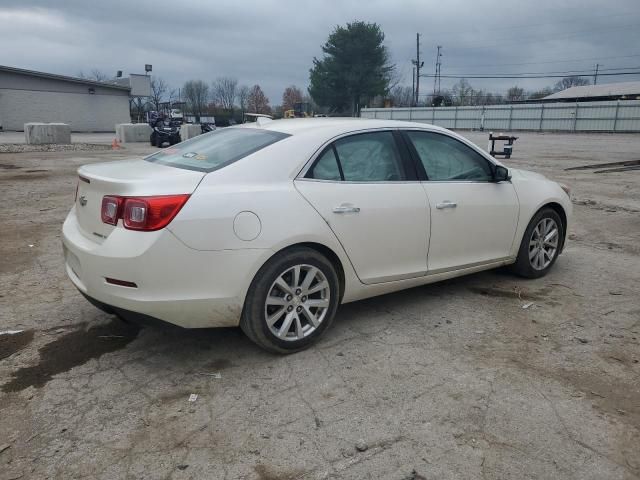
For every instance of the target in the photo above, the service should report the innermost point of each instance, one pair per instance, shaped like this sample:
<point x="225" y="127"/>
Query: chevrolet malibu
<point x="272" y="226"/>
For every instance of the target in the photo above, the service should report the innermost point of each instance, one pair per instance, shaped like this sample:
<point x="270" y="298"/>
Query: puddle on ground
<point x="266" y="472"/>
<point x="71" y="350"/>
<point x="219" y="364"/>
<point x="514" y="293"/>
<point x="10" y="344"/>
<point x="25" y="177"/>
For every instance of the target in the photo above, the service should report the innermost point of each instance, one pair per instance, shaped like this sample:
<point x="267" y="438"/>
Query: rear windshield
<point x="217" y="149"/>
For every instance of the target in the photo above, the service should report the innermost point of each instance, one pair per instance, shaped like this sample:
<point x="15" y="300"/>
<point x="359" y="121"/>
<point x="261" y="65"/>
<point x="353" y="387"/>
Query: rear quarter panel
<point x="263" y="185"/>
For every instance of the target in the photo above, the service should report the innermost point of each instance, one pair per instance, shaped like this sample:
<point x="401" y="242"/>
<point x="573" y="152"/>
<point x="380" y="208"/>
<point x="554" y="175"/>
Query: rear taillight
<point x="142" y="213"/>
<point x="110" y="211"/>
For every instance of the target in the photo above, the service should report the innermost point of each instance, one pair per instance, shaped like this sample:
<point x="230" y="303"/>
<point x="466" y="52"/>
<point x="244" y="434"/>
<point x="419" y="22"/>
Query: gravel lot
<point x="449" y="381"/>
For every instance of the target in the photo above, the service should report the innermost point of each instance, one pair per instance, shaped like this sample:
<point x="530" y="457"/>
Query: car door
<point x="473" y="218"/>
<point x="365" y="187"/>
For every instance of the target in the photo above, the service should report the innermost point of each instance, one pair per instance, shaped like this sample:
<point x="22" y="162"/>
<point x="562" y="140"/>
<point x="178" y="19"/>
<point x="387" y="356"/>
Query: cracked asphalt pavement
<point x="486" y="376"/>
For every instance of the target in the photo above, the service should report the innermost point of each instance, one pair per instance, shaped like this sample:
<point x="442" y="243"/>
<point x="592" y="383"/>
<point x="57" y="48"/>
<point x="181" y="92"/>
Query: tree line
<point x="355" y="70"/>
<point x="463" y="94"/>
<point x="224" y="98"/>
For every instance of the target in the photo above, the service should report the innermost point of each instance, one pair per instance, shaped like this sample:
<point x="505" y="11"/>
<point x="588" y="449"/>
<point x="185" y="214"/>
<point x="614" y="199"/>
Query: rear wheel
<point x="540" y="244"/>
<point x="291" y="301"/>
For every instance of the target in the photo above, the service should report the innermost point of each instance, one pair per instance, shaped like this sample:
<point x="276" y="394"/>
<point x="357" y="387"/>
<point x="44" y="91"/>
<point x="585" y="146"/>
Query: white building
<point x="87" y="106"/>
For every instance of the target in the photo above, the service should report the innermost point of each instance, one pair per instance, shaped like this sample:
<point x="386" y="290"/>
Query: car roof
<point x="336" y="125"/>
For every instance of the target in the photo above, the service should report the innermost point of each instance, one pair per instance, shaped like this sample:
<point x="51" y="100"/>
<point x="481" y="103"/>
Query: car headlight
<point x="566" y="189"/>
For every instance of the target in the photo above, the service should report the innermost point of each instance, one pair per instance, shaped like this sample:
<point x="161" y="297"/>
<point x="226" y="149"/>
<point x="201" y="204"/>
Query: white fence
<point x="612" y="116"/>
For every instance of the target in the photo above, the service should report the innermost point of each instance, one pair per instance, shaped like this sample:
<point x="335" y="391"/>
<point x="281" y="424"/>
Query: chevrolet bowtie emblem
<point x="83" y="200"/>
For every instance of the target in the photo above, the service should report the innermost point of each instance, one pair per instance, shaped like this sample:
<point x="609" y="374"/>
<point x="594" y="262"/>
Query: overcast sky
<point x="272" y="43"/>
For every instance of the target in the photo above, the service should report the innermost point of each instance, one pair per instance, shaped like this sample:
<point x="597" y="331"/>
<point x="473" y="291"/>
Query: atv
<point x="164" y="131"/>
<point x="207" y="127"/>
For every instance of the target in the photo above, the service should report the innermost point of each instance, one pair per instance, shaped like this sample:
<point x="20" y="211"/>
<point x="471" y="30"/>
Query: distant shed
<point x="593" y="93"/>
<point x="87" y="106"/>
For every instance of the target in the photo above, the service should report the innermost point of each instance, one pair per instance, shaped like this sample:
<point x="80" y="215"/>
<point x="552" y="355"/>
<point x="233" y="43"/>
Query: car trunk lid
<point x="126" y="178"/>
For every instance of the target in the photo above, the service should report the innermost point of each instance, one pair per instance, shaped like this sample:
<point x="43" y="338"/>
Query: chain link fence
<point x="611" y="116"/>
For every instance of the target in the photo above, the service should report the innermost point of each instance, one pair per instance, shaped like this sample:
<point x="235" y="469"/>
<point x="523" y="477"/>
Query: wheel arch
<point x="326" y="252"/>
<point x="559" y="209"/>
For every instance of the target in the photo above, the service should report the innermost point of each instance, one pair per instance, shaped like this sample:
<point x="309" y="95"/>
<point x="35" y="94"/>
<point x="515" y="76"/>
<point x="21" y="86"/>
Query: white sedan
<point x="272" y="226"/>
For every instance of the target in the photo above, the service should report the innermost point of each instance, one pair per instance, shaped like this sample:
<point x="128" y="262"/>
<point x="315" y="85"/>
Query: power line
<point x="568" y="60"/>
<point x="531" y="76"/>
<point x="535" y="39"/>
<point x="563" y="72"/>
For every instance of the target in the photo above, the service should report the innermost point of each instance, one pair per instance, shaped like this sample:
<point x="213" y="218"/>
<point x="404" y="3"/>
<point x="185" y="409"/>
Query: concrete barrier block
<point x="190" y="130"/>
<point x="133" y="132"/>
<point x="42" y="133"/>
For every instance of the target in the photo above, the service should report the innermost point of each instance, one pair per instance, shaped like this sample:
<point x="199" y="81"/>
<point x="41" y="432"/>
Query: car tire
<point x="152" y="140"/>
<point x="540" y="247"/>
<point x="283" y="313"/>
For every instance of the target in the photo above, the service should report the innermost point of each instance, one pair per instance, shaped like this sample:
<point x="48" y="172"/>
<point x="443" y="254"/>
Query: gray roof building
<point x="605" y="91"/>
<point x="87" y="106"/>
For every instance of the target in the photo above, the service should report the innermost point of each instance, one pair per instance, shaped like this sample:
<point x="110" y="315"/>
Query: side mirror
<point x="501" y="174"/>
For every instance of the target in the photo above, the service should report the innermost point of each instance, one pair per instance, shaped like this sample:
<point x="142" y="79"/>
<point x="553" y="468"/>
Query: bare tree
<point x="243" y="95"/>
<point x="546" y="91"/>
<point x="96" y="75"/>
<point x="224" y="92"/>
<point x="462" y="91"/>
<point x="137" y="108"/>
<point x="573" y="81"/>
<point x="515" y="94"/>
<point x="196" y="94"/>
<point x="401" y="96"/>
<point x="257" y="101"/>
<point x="290" y="97"/>
<point x="159" y="89"/>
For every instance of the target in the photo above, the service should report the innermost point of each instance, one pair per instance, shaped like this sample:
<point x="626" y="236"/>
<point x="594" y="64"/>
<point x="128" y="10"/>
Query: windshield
<point x="214" y="150"/>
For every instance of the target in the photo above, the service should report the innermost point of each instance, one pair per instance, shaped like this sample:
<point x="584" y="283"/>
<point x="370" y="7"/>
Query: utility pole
<point x="595" y="75"/>
<point x="436" y="78"/>
<point x="413" y="87"/>
<point x="418" y="65"/>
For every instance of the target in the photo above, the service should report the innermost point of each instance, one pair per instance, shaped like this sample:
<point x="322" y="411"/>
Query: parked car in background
<point x="272" y="225"/>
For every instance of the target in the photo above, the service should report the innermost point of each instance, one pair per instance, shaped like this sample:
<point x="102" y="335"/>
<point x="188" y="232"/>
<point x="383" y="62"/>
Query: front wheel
<point x="540" y="245"/>
<point x="291" y="301"/>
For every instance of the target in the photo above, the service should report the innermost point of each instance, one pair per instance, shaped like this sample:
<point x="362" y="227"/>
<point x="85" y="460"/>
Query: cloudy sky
<point x="273" y="42"/>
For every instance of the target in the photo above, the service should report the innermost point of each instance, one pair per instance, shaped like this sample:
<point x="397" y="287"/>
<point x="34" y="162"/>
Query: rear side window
<point x="364" y="157"/>
<point x="326" y="168"/>
<point x="211" y="151"/>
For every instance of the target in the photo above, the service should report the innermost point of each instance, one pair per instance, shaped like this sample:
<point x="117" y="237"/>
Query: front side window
<point x="364" y="157"/>
<point x="211" y="151"/>
<point x="447" y="159"/>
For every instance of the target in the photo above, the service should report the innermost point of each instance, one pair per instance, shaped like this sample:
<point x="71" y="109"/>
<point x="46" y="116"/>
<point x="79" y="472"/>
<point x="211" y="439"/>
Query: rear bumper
<point x="127" y="315"/>
<point x="176" y="284"/>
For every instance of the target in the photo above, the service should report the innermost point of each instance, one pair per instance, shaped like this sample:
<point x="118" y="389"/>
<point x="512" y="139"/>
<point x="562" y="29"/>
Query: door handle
<point x="446" y="204"/>
<point x="346" y="209"/>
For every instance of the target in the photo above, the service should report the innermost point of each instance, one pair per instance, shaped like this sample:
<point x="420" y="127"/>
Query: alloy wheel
<point x="297" y="302"/>
<point x="543" y="244"/>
